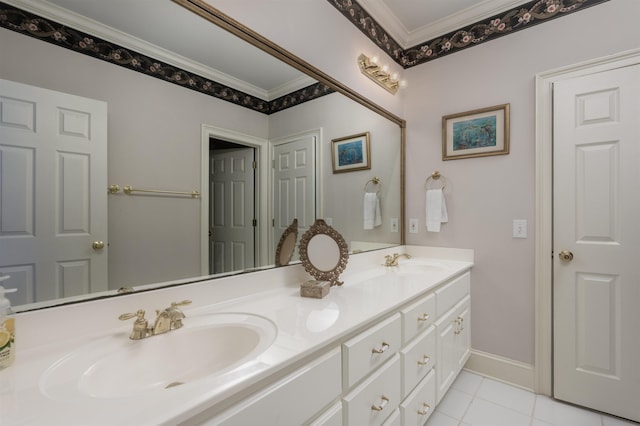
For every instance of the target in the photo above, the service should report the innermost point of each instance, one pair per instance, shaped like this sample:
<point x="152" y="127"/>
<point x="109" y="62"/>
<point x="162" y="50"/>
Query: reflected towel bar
<point x="128" y="189"/>
<point x="375" y="181"/>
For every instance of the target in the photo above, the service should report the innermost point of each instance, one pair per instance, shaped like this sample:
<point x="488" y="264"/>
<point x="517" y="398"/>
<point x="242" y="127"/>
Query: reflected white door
<point x="596" y="220"/>
<point x="232" y="210"/>
<point x="294" y="185"/>
<point x="53" y="193"/>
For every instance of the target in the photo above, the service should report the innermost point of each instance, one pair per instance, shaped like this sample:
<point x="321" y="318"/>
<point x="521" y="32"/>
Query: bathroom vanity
<point x="383" y="348"/>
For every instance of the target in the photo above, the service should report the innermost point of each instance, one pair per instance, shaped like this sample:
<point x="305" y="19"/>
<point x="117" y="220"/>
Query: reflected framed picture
<point x="476" y="133"/>
<point x="351" y="153"/>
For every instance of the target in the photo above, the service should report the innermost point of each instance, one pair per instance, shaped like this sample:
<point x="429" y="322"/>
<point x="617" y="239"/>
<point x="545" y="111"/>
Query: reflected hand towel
<point x="372" y="212"/>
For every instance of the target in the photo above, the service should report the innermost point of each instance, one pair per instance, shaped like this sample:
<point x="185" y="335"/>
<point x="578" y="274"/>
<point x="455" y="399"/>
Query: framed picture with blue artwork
<point x="476" y="133"/>
<point x="351" y="153"/>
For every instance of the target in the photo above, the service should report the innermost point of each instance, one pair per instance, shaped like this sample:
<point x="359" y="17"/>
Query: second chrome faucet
<point x="166" y="320"/>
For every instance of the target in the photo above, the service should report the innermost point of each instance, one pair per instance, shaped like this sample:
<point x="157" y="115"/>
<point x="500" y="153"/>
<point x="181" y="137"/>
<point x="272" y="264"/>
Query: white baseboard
<point x="502" y="369"/>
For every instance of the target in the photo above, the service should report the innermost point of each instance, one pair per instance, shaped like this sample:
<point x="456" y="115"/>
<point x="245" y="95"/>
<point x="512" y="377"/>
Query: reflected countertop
<point x="305" y="326"/>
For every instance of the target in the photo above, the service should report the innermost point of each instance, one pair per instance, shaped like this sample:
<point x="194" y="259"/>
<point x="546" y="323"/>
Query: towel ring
<point x="435" y="176"/>
<point x="375" y="181"/>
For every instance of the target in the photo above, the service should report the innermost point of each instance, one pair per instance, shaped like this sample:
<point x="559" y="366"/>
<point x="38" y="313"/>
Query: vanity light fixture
<point x="379" y="73"/>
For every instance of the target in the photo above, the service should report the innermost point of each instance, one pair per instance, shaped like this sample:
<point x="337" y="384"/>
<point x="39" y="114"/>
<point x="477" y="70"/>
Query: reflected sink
<point x="115" y="366"/>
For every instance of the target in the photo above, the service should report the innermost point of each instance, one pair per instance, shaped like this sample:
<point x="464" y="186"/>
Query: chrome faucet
<point x="166" y="320"/>
<point x="392" y="259"/>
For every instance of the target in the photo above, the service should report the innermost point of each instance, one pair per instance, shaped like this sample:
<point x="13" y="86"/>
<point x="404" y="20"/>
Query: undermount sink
<point x="115" y="366"/>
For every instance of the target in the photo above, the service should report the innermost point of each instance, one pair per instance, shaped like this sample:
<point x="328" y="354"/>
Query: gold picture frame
<point x="351" y="153"/>
<point x="477" y="133"/>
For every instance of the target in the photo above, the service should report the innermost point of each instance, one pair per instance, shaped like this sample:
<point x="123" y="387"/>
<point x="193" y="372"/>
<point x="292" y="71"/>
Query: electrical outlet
<point x="519" y="228"/>
<point x="394" y="224"/>
<point x="413" y="225"/>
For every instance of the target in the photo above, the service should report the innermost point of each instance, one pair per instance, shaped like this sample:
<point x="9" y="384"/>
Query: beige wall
<point x="484" y="195"/>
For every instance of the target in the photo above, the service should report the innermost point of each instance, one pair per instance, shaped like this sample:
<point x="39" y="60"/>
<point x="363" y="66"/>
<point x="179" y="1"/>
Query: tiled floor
<point x="474" y="400"/>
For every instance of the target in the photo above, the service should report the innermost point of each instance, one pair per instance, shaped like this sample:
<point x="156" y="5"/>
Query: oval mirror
<point x="323" y="252"/>
<point x="287" y="244"/>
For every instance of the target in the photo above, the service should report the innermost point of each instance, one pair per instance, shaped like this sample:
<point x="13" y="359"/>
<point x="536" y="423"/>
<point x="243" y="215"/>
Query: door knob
<point x="98" y="245"/>
<point x="565" y="256"/>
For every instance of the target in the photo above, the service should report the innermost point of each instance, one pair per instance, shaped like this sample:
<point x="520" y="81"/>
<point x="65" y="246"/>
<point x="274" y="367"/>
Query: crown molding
<point x="406" y="38"/>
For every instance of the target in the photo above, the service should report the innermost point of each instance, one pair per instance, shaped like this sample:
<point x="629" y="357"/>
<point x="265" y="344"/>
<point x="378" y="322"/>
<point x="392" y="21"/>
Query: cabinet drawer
<point x="331" y="417"/>
<point x="417" y="359"/>
<point x="417" y="407"/>
<point x="373" y="401"/>
<point x="292" y="400"/>
<point x="394" y="419"/>
<point x="370" y="349"/>
<point x="418" y="317"/>
<point x="452" y="293"/>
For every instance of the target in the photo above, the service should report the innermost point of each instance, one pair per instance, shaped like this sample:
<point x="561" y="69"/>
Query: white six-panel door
<point x="597" y="241"/>
<point x="232" y="210"/>
<point x="53" y="193"/>
<point x="294" y="185"/>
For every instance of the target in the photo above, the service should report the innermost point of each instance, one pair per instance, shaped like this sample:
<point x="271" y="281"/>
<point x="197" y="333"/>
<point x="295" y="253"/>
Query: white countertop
<point x="304" y="326"/>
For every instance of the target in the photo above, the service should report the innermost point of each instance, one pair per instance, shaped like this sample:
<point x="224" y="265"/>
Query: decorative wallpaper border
<point x="524" y="16"/>
<point x="52" y="32"/>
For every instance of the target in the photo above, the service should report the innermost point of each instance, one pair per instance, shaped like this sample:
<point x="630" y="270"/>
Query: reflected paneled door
<point x="597" y="241"/>
<point x="294" y="185"/>
<point x="232" y="243"/>
<point x="53" y="193"/>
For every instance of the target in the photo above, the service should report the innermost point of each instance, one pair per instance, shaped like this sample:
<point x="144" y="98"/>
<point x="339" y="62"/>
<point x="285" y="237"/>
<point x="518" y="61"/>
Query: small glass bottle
<point x="7" y="328"/>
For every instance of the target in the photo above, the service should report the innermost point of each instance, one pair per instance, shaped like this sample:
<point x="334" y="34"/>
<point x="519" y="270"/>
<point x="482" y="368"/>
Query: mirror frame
<point x="227" y="23"/>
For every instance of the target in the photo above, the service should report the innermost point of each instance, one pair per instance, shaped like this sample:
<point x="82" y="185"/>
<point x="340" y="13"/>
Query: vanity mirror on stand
<point x="177" y="102"/>
<point x="324" y="254"/>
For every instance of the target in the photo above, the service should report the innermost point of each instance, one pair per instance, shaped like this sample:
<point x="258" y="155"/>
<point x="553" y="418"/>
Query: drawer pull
<point x="459" y="320"/>
<point x="423" y="317"/>
<point x="425" y="410"/>
<point x="425" y="360"/>
<point x="383" y="404"/>
<point x="384" y="347"/>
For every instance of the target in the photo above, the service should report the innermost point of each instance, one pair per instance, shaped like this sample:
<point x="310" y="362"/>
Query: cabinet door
<point x="453" y="344"/>
<point x="463" y="340"/>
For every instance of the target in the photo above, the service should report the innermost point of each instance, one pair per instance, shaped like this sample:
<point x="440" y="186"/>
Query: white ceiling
<point x="169" y="36"/>
<point x="411" y="22"/>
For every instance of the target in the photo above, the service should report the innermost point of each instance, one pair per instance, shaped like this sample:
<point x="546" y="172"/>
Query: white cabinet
<point x="391" y="373"/>
<point x="292" y="400"/>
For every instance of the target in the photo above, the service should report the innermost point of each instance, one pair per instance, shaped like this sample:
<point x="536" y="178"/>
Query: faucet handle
<point x="183" y="303"/>
<point x="139" y="313"/>
<point x="140" y="325"/>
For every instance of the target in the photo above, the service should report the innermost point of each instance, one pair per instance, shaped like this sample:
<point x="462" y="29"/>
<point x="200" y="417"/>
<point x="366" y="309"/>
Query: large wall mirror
<point x="217" y="110"/>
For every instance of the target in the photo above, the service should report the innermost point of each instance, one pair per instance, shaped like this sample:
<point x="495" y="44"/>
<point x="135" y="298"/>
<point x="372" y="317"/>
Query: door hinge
<point x="254" y="164"/>
<point x="273" y="164"/>
<point x="254" y="222"/>
<point x="273" y="223"/>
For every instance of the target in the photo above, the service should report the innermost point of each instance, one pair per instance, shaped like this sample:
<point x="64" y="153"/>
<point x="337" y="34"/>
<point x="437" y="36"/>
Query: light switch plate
<point x="413" y="226"/>
<point x="519" y="228"/>
<point x="394" y="224"/>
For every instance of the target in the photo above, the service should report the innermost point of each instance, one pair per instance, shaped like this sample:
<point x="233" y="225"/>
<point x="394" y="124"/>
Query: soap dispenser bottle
<point x="7" y="328"/>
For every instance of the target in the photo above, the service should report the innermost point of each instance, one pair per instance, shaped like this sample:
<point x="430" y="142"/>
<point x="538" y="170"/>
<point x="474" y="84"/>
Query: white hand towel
<point x="372" y="213"/>
<point x="436" y="210"/>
